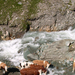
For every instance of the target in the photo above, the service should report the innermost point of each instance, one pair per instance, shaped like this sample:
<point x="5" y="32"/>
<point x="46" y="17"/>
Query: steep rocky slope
<point x="20" y="16"/>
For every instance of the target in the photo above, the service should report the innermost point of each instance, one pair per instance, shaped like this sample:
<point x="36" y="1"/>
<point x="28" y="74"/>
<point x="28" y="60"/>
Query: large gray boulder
<point x="58" y="51"/>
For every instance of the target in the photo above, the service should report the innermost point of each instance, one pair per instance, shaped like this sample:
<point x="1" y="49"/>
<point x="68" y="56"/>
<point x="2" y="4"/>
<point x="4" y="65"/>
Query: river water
<point x="29" y="43"/>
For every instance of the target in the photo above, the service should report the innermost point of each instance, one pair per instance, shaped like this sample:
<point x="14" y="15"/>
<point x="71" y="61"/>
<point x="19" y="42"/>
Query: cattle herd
<point x="36" y="67"/>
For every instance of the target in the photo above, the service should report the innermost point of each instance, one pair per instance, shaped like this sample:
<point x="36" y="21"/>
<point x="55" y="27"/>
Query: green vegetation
<point x="70" y="3"/>
<point x="32" y="7"/>
<point x="7" y="7"/>
<point x="0" y="33"/>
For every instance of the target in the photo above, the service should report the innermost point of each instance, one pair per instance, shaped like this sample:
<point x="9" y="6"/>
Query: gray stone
<point x="57" y="51"/>
<point x="32" y="57"/>
<point x="51" y="15"/>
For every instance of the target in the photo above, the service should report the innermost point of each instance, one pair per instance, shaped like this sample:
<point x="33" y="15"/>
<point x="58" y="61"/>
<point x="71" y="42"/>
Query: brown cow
<point x="73" y="65"/>
<point x="3" y="66"/>
<point x="38" y="67"/>
<point x="29" y="71"/>
<point x="42" y="62"/>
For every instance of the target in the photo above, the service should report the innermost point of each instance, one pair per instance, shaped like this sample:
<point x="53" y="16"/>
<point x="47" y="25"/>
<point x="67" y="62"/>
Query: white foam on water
<point x="10" y="50"/>
<point x="28" y="39"/>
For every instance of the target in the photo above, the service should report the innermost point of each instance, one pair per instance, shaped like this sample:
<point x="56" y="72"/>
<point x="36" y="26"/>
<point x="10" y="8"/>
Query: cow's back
<point x="29" y="71"/>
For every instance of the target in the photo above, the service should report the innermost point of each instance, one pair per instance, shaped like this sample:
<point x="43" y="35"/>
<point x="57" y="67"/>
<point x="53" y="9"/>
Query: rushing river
<point x="29" y="43"/>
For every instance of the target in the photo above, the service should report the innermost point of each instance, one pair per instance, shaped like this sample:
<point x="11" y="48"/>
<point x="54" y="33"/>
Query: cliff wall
<point x="20" y="16"/>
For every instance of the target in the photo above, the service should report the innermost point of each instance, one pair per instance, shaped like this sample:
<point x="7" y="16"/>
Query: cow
<point x="11" y="70"/>
<point x="42" y="62"/>
<point x="25" y="64"/>
<point x="3" y="66"/>
<point x="30" y="71"/>
<point x="22" y="65"/>
<point x="38" y="67"/>
<point x="73" y="65"/>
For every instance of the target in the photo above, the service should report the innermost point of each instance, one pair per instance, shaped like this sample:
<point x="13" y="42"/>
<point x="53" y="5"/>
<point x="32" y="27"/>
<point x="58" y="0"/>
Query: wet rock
<point x="1" y="49"/>
<point x="57" y="51"/>
<point x="7" y="36"/>
<point x="20" y="51"/>
<point x="32" y="57"/>
<point x="36" y="38"/>
<point x="72" y="47"/>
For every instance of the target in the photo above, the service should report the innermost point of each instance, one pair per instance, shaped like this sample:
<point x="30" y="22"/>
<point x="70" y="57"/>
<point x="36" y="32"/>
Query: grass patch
<point x="32" y="8"/>
<point x="70" y="3"/>
<point x="7" y="7"/>
<point x="0" y="33"/>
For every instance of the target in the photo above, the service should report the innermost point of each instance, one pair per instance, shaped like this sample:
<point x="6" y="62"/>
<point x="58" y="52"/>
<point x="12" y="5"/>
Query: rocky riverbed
<point x="56" y="51"/>
<point x="41" y="15"/>
<point x="59" y="50"/>
<point x="59" y="53"/>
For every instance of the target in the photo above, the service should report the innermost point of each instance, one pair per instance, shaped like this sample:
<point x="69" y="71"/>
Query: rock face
<point x="54" y="15"/>
<point x="58" y="51"/>
<point x="48" y="15"/>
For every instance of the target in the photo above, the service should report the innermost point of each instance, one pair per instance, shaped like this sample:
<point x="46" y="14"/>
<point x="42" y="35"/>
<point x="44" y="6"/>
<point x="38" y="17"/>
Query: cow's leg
<point x="73" y="70"/>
